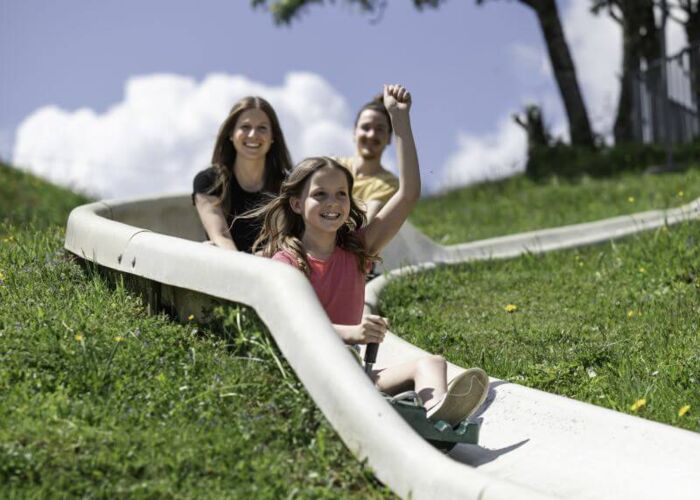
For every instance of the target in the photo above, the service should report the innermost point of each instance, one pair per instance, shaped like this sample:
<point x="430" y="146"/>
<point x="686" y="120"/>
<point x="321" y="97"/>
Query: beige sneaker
<point x="465" y="394"/>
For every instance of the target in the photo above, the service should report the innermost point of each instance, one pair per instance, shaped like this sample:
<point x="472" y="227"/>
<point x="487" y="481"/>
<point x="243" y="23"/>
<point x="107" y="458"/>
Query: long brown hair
<point x="277" y="161"/>
<point x="283" y="228"/>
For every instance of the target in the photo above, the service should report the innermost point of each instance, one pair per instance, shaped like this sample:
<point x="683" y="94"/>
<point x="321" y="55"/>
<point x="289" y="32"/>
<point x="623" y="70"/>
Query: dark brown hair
<point x="376" y="104"/>
<point x="283" y="228"/>
<point x="277" y="161"/>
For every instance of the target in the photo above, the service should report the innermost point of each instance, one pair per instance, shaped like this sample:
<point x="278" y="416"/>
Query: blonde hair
<point x="283" y="228"/>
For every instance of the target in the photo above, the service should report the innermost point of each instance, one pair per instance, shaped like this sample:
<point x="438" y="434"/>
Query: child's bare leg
<point x="427" y="376"/>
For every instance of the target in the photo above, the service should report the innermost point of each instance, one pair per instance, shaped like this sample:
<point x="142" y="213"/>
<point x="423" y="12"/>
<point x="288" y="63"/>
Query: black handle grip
<point x="371" y="353"/>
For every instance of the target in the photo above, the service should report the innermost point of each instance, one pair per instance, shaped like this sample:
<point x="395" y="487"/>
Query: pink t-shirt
<point x="339" y="284"/>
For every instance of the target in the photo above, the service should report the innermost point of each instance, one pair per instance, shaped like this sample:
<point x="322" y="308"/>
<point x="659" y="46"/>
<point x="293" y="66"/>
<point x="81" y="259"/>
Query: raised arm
<point x="214" y="221"/>
<point x="384" y="226"/>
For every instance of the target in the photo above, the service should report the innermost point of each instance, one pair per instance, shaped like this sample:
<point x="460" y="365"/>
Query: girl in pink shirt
<point x="316" y="226"/>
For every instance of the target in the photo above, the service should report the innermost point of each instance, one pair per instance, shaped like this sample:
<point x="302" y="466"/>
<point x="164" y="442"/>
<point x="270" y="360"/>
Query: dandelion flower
<point x="630" y="199"/>
<point x="190" y="317"/>
<point x="79" y="338"/>
<point x="638" y="405"/>
<point x="683" y="410"/>
<point x="511" y="308"/>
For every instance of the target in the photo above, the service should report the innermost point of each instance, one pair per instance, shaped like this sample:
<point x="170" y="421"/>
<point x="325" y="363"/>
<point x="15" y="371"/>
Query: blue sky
<point x="64" y="68"/>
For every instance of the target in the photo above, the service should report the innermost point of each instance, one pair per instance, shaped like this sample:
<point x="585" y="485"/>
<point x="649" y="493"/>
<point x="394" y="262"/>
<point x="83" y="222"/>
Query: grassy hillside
<point x="100" y="399"/>
<point x="519" y="204"/>
<point x="25" y="198"/>
<point x="616" y="325"/>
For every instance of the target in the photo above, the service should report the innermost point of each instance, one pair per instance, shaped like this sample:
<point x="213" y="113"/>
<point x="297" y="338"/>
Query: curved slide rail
<point x="565" y="447"/>
<point x="155" y="238"/>
<point x="412" y="247"/>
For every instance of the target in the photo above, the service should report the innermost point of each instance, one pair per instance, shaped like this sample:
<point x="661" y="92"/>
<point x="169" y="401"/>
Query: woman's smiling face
<point x="252" y="134"/>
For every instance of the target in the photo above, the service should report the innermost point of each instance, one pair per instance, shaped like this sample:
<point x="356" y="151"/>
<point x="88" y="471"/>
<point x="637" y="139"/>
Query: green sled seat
<point x="440" y="434"/>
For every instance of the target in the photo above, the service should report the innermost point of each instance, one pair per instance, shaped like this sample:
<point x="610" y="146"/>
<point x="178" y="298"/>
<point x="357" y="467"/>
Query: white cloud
<point x="485" y="157"/>
<point x="163" y="131"/>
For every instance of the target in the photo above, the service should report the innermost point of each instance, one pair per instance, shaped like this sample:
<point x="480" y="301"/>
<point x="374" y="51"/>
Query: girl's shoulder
<point x="286" y="257"/>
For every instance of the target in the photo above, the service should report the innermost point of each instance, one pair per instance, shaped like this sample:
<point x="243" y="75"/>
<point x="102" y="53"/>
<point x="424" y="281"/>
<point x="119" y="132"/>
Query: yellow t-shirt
<point x="380" y="187"/>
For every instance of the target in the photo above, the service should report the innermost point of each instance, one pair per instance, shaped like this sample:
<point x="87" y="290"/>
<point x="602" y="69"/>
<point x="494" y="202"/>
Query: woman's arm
<point x="214" y="221"/>
<point x="391" y="216"/>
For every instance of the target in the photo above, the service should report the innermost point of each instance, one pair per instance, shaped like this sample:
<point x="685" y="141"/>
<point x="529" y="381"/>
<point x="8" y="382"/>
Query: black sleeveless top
<point x="243" y="231"/>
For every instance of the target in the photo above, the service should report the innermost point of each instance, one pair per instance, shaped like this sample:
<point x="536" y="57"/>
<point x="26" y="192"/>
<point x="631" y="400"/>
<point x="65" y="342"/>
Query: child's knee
<point x="431" y="364"/>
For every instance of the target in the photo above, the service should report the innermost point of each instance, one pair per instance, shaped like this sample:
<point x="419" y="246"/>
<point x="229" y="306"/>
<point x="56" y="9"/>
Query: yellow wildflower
<point x="683" y="410"/>
<point x="680" y="195"/>
<point x="630" y="313"/>
<point x="638" y="405"/>
<point x="119" y="338"/>
<point x="642" y="270"/>
<point x="511" y="308"/>
<point x="79" y="338"/>
<point x="2" y="276"/>
<point x="630" y="199"/>
<point x="190" y="317"/>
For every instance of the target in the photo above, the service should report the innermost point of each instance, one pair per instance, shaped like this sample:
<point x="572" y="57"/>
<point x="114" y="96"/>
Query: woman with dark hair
<point x="249" y="162"/>
<point x="374" y="185"/>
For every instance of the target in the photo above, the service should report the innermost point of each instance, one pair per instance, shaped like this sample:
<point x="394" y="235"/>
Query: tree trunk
<point x="631" y="57"/>
<point x="692" y="31"/>
<point x="640" y="40"/>
<point x="564" y="71"/>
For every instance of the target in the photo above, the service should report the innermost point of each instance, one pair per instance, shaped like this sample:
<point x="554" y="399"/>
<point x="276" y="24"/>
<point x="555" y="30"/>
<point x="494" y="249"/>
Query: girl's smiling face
<point x="324" y="204"/>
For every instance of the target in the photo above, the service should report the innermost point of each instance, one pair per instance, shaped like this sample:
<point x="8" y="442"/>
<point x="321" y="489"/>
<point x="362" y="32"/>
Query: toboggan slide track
<point x="532" y="444"/>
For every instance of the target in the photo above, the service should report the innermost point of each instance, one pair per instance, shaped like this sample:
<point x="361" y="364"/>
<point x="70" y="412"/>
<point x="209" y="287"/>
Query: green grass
<point x="609" y="324"/>
<point x="519" y="204"/>
<point x="102" y="400"/>
<point x="25" y="198"/>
